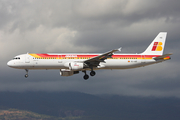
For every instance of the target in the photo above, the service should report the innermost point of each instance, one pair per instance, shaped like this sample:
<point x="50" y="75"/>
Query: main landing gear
<point x="92" y="73"/>
<point x="26" y="75"/>
<point x="86" y="76"/>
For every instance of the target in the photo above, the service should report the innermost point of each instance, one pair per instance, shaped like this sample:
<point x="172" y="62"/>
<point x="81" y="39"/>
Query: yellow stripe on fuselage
<point x="35" y="55"/>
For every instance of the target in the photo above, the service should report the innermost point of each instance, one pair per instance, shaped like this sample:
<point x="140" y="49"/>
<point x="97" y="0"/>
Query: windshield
<point x="16" y="58"/>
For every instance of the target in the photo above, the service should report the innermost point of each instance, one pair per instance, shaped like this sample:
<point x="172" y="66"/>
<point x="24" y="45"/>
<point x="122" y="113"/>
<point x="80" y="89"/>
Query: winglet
<point x="120" y="49"/>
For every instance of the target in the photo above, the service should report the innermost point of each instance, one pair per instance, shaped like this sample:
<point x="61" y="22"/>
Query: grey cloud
<point x="75" y="14"/>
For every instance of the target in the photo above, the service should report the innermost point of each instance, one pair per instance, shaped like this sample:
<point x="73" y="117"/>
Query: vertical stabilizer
<point x="157" y="46"/>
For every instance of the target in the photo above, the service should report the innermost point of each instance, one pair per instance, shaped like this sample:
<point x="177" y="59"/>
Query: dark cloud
<point x="90" y="26"/>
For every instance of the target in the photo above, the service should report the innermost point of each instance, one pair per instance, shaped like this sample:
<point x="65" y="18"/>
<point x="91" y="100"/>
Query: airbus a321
<point x="72" y="63"/>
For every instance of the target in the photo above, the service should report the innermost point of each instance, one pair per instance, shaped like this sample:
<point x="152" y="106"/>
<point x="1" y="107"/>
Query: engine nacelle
<point x="76" y="66"/>
<point x="67" y="72"/>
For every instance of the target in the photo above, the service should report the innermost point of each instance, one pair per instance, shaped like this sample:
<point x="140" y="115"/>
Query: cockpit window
<point x="16" y="58"/>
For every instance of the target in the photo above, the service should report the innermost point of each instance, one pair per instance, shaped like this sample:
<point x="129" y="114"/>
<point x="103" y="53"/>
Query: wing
<point x="94" y="62"/>
<point x="164" y="57"/>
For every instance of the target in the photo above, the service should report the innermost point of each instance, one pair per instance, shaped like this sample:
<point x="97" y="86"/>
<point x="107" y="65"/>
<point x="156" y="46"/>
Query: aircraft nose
<point x="10" y="63"/>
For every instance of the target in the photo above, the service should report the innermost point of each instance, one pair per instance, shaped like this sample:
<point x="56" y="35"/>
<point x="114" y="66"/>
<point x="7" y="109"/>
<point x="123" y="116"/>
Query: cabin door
<point x="60" y="59"/>
<point x="27" y="58"/>
<point x="143" y="59"/>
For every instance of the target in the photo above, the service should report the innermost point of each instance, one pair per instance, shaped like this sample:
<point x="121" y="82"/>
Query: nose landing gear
<point x="26" y="75"/>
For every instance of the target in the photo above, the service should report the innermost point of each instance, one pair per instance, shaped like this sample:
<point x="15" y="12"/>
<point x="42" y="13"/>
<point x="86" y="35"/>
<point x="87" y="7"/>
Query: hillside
<point x="14" y="114"/>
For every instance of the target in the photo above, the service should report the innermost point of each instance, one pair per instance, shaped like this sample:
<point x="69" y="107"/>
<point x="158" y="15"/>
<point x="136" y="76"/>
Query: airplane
<point x="72" y="63"/>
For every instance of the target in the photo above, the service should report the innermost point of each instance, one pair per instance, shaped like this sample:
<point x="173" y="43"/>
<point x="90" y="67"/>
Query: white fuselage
<point x="122" y="61"/>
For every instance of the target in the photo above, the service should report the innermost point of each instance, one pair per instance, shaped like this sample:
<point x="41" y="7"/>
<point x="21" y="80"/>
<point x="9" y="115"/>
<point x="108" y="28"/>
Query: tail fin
<point x="157" y="46"/>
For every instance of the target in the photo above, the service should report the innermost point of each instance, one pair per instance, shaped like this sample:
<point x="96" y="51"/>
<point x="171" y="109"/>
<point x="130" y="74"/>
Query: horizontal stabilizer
<point x="164" y="57"/>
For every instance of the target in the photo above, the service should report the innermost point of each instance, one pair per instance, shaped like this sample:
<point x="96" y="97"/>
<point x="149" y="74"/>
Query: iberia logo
<point x="157" y="46"/>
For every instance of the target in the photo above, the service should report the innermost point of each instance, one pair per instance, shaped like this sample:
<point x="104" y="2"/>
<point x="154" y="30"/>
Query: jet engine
<point x="67" y="72"/>
<point x="76" y="66"/>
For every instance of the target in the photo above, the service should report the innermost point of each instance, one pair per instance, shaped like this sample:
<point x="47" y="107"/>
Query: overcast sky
<point x="44" y="26"/>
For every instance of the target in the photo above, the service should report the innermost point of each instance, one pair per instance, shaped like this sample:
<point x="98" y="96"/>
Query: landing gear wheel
<point x="92" y="73"/>
<point x="26" y="75"/>
<point x="86" y="77"/>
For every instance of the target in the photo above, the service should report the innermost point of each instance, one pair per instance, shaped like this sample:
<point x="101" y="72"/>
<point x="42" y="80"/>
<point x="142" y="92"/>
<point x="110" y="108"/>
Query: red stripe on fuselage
<point x="47" y="55"/>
